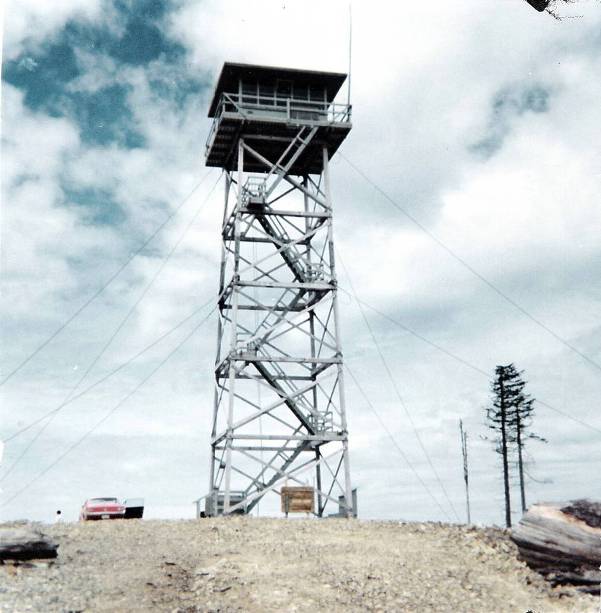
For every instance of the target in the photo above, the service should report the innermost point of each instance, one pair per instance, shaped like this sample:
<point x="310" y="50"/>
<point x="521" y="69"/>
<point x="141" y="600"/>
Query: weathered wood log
<point x="563" y="542"/>
<point x="589" y="512"/>
<point x="25" y="544"/>
<point x="585" y="578"/>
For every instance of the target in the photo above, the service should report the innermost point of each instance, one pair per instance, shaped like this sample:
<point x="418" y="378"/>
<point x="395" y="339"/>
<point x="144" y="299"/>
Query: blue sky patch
<point x="506" y="106"/>
<point x="104" y="117"/>
<point x="43" y="77"/>
<point x="143" y="42"/>
<point x="150" y="9"/>
<point x="177" y="88"/>
<point x="97" y="206"/>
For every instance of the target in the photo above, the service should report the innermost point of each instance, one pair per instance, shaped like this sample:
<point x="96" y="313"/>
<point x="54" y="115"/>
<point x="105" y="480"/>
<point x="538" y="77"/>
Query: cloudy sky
<point x="479" y="118"/>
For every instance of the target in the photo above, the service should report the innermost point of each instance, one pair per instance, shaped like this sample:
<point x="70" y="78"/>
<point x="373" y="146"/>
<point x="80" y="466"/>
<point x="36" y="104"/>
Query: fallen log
<point x="589" y="512"/>
<point x="25" y="544"/>
<point x="563" y="543"/>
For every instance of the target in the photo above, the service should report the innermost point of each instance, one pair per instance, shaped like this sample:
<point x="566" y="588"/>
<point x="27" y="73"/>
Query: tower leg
<point x="342" y="400"/>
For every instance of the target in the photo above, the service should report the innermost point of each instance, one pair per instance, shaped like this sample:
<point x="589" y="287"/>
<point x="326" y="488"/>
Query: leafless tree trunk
<point x="518" y="427"/>
<point x="504" y="455"/>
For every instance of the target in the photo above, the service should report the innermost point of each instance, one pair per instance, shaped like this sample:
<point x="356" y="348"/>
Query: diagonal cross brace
<point x="279" y="472"/>
<point x="291" y="404"/>
<point x="282" y="170"/>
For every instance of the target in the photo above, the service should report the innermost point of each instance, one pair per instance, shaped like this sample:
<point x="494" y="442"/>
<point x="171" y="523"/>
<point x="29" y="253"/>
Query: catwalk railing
<point x="279" y="108"/>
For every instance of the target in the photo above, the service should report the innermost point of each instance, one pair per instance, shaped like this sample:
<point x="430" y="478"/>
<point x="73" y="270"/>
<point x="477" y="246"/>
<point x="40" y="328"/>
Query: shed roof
<point x="232" y="72"/>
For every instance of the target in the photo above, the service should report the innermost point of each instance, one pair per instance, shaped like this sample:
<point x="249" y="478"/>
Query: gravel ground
<point x="250" y="564"/>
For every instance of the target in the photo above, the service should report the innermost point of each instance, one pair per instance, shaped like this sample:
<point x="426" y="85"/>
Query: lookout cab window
<point x="317" y="94"/>
<point x="249" y="92"/>
<point x="266" y="93"/>
<point x="301" y="92"/>
<point x="283" y="91"/>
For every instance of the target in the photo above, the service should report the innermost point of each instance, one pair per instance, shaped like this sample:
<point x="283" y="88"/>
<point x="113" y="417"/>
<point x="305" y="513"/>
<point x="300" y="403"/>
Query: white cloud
<point x="34" y="227"/>
<point x="28" y="23"/>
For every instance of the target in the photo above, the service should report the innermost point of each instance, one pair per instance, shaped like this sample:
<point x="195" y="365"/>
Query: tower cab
<point x="268" y="105"/>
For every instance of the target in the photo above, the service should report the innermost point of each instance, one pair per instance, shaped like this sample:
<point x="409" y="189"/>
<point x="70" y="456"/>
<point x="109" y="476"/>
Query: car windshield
<point x="102" y="500"/>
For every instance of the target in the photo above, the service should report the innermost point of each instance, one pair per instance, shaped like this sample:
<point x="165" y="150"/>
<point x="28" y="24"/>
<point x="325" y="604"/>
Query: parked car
<point x="102" y="508"/>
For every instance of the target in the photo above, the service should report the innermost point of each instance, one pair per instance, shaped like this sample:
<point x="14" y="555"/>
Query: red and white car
<point x="102" y="508"/>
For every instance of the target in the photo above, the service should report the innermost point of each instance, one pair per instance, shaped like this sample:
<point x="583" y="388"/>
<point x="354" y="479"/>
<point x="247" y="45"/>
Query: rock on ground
<point x="251" y="564"/>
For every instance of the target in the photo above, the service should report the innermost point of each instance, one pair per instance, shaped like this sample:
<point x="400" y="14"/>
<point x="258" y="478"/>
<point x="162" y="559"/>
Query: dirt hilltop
<point x="250" y="564"/>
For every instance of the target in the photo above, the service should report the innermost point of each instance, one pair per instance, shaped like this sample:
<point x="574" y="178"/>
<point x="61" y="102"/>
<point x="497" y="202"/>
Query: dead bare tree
<point x="510" y="416"/>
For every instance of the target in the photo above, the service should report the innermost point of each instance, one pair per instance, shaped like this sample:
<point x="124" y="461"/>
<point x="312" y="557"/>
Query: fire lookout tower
<point x="279" y="413"/>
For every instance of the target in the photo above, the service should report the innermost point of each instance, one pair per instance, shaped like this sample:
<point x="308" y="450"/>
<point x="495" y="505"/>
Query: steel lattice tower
<point x="279" y="410"/>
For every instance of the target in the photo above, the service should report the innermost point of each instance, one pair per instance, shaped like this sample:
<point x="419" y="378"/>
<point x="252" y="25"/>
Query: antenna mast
<point x="350" y="52"/>
<point x="463" y="435"/>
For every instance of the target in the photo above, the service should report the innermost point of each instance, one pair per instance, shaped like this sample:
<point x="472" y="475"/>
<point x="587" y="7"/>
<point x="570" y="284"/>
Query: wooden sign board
<point x="298" y="499"/>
